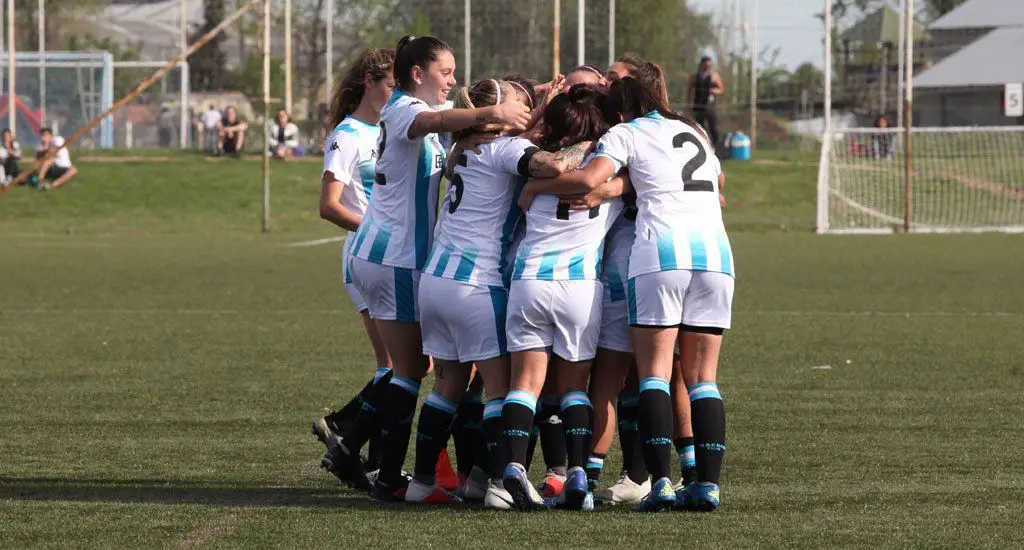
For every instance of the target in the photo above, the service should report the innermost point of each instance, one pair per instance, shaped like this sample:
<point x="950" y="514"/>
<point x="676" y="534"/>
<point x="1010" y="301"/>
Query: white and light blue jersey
<point x="679" y="219"/>
<point x="563" y="245"/>
<point x="617" y="246"/>
<point x="479" y="215"/>
<point x="398" y="227"/>
<point x="350" y="153"/>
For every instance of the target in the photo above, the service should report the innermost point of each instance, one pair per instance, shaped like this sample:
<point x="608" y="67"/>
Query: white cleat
<point x="429" y="494"/>
<point x="474" y="488"/>
<point x="497" y="497"/>
<point x="625" y="491"/>
<point x="324" y="433"/>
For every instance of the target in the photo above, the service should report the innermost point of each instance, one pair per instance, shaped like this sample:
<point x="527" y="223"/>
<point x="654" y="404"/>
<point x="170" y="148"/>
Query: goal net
<point x="961" y="180"/>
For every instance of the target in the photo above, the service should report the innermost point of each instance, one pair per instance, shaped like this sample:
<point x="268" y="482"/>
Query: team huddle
<point x="576" y="271"/>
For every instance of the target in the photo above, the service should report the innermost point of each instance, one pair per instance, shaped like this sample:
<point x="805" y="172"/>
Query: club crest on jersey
<point x="334" y="146"/>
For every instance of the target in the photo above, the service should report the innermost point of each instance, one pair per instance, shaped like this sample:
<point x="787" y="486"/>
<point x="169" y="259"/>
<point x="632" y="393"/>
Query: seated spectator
<point x="57" y="168"/>
<point x="210" y="118"/>
<point x="230" y="133"/>
<point x="10" y="154"/>
<point x="282" y="136"/>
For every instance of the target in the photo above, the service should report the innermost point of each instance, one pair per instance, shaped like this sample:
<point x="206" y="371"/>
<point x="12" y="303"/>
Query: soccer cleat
<point x="624" y="491"/>
<point x="497" y="497"/>
<point x="474" y="487"/>
<point x="444" y="474"/>
<point x="552" y="484"/>
<point x="698" y="497"/>
<point x="523" y="492"/>
<point x="575" y="489"/>
<point x="387" y="493"/>
<point x="322" y="430"/>
<point x="661" y="497"/>
<point x="429" y="494"/>
<point x="346" y="467"/>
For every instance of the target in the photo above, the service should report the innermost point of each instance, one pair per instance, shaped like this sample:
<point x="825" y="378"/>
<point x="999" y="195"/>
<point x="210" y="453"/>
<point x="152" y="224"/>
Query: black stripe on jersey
<point x="524" y="161"/>
<point x="379" y="179"/>
<point x="697" y="185"/>
<point x="463" y="159"/>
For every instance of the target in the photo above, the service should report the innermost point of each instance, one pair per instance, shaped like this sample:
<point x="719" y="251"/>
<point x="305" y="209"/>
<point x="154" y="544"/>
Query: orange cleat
<point x="446" y="477"/>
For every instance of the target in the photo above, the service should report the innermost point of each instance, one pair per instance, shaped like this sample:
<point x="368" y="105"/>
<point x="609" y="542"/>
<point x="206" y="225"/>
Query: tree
<point x="208" y="65"/>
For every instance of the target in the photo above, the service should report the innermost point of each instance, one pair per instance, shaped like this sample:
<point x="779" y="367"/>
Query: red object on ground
<point x="444" y="473"/>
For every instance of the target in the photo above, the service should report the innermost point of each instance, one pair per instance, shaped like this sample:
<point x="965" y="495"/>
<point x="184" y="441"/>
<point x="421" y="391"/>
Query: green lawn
<point x="161" y="361"/>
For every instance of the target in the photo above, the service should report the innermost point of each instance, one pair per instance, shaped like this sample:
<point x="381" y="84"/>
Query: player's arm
<point x="615" y="187"/>
<point x="717" y="86"/>
<point x="551" y="165"/>
<point x="596" y="173"/>
<point x="721" y="186"/>
<point x="514" y="114"/>
<point x="331" y="208"/>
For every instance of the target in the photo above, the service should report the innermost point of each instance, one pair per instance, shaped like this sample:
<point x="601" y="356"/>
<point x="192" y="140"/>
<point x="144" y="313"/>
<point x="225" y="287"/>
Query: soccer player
<point x="586" y="74"/>
<point x="649" y="74"/>
<point x="393" y="241"/>
<point x="350" y="154"/>
<point x="555" y="303"/>
<point x="681" y="279"/>
<point x="467" y="266"/>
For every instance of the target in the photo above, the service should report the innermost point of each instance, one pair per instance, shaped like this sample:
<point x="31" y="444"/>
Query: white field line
<point x="316" y="242"/>
<point x="345" y="311"/>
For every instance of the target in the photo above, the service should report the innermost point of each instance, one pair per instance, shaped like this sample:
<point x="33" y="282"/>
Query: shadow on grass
<point x="156" y="491"/>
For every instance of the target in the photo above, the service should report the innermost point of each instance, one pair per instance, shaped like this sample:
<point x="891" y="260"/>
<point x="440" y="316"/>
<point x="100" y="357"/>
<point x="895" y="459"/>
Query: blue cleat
<point x="524" y="494"/>
<point x="661" y="497"/>
<point x="576" y="494"/>
<point x="698" y="497"/>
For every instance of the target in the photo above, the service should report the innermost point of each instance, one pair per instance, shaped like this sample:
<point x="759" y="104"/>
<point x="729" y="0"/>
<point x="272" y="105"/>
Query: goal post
<point x="963" y="180"/>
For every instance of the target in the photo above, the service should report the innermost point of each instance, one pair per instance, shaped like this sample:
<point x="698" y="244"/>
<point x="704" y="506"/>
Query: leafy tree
<point x="208" y="65"/>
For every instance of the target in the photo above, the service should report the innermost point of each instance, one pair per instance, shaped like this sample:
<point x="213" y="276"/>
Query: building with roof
<point x="976" y="50"/>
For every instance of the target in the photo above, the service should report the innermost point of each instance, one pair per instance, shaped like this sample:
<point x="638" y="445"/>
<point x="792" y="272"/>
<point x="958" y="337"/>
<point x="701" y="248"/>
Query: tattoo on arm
<point x="572" y="157"/>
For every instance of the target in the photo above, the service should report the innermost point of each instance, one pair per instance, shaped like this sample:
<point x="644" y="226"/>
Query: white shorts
<point x="389" y="292"/>
<point x="462" y="322"/>
<point x="699" y="299"/>
<point x="562" y="315"/>
<point x="346" y="277"/>
<point x="614" y="322"/>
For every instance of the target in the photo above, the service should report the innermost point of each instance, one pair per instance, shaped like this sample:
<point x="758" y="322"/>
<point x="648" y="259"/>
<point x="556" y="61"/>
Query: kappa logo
<point x="439" y="162"/>
<point x="334" y="146"/>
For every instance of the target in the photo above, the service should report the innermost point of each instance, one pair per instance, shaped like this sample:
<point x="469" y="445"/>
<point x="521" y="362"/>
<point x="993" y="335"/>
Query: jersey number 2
<point x="690" y="184"/>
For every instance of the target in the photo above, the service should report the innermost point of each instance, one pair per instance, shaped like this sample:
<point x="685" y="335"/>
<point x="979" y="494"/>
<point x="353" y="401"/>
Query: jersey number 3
<point x="690" y="184"/>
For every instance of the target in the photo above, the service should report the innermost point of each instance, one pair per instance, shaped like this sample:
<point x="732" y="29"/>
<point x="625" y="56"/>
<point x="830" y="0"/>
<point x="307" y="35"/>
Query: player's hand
<point x="721" y="200"/>
<point x="526" y="198"/>
<point x="513" y="114"/>
<point x="557" y="87"/>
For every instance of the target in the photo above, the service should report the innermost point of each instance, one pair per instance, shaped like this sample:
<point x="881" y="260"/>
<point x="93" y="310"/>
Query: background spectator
<point x="58" y="168"/>
<point x="704" y="91"/>
<point x="230" y="133"/>
<point x="282" y="136"/>
<point x="10" y="154"/>
<point x="210" y="118"/>
<point x="883" y="145"/>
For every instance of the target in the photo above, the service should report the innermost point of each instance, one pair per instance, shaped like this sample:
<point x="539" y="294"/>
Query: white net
<point x="962" y="180"/>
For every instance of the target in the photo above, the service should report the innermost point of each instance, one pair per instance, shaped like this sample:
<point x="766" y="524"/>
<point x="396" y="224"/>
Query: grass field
<point x="160" y="362"/>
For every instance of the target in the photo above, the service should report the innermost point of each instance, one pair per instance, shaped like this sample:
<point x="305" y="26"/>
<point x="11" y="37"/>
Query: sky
<point x="791" y="25"/>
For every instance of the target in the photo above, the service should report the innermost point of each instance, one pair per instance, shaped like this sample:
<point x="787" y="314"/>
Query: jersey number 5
<point x="379" y="178"/>
<point x="456" y="187"/>
<point x="690" y="184"/>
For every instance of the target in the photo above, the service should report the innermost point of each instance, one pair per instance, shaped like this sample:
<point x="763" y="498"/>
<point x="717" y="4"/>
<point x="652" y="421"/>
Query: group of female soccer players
<point x="578" y="253"/>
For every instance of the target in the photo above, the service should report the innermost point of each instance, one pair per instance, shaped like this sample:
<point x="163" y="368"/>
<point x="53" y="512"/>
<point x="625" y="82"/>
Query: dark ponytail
<point x="415" y="51"/>
<point x="573" y="117"/>
<point x="629" y="98"/>
<point x="649" y="74"/>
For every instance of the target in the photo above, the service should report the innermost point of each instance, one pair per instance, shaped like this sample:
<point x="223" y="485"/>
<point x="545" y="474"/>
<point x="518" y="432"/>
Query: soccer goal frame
<point x="102" y="60"/>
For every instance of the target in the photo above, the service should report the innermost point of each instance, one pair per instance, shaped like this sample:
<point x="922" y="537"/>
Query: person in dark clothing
<point x="704" y="91"/>
<point x="10" y="154"/>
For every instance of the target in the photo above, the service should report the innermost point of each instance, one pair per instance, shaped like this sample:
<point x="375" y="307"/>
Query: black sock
<point x="708" y="412"/>
<point x="432" y="433"/>
<point x="492" y="430"/>
<point x="341" y="420"/>
<point x="633" y="462"/>
<point x="687" y="462"/>
<point x="552" y="436"/>
<point x="594" y="466"/>
<point x="577" y="426"/>
<point x="531" y="447"/>
<point x="468" y="433"/>
<point x="516" y="421"/>
<point x="367" y="424"/>
<point x="656" y="425"/>
<point x="396" y="426"/>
